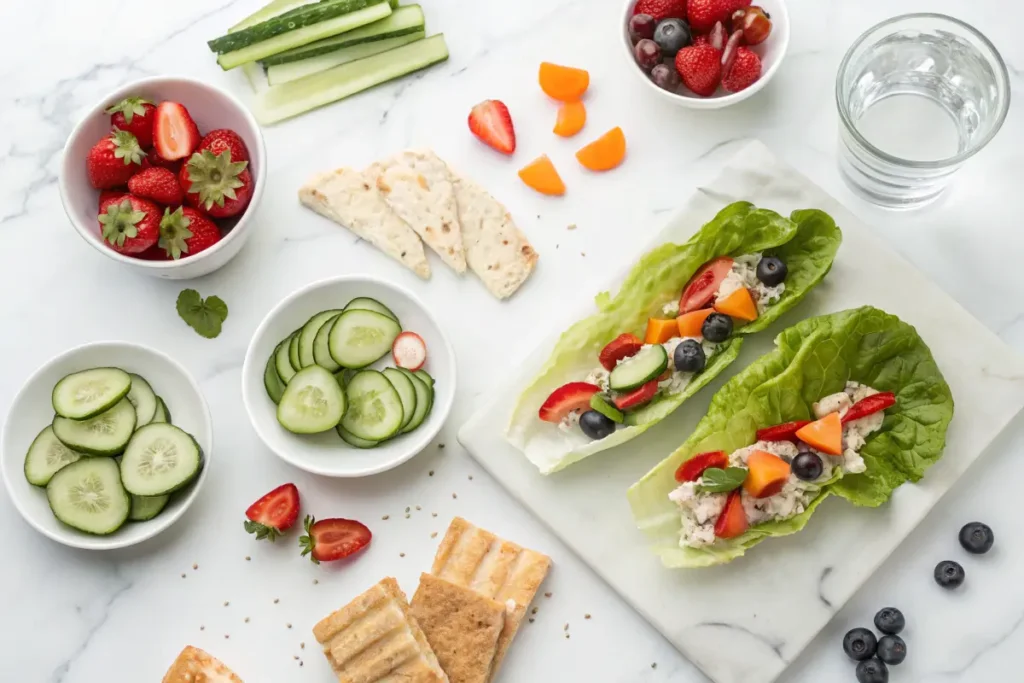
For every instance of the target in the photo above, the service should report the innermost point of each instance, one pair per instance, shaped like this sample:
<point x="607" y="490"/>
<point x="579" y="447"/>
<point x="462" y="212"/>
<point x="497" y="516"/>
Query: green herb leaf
<point x="715" y="480"/>
<point x="202" y="315"/>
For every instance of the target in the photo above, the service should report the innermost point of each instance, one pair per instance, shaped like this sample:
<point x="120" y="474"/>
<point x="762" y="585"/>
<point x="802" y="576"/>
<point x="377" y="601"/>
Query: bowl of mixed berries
<point x="705" y="54"/>
<point x="164" y="176"/>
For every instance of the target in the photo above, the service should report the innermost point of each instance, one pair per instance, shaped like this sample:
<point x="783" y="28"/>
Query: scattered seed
<point x="440" y="446"/>
<point x="407" y="510"/>
<point x="407" y="515"/>
<point x="183" y="576"/>
<point x="547" y="595"/>
<point x="454" y="496"/>
<point x="431" y="472"/>
<point x="247" y="620"/>
<point x="295" y="657"/>
<point x="302" y="646"/>
<point x="566" y="627"/>
<point x="531" y="620"/>
<point x="556" y="246"/>
<point x="316" y="581"/>
<point x="433" y="534"/>
<point x="277" y="600"/>
<point x="247" y="558"/>
<point x="418" y="508"/>
<point x="202" y="628"/>
<point x="226" y="636"/>
<point x="471" y="477"/>
<point x="583" y="253"/>
<point x="401" y="554"/>
<point x="300" y="662"/>
<point x="226" y="603"/>
<point x="654" y="665"/>
<point x="567" y="636"/>
<point x="586" y="616"/>
<point x="534" y="610"/>
<point x="195" y="565"/>
<point x="386" y="517"/>
<point x="288" y="625"/>
<point x="572" y="226"/>
<point x="433" y="514"/>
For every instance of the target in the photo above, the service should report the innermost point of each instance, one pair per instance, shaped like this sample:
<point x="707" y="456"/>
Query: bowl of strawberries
<point x="705" y="54"/>
<point x="164" y="175"/>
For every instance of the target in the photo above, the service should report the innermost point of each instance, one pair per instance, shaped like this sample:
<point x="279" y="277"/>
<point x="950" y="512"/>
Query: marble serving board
<point x="747" y="621"/>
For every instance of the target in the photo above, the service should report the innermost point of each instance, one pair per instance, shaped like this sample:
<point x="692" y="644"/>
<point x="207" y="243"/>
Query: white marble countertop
<point x="79" y="617"/>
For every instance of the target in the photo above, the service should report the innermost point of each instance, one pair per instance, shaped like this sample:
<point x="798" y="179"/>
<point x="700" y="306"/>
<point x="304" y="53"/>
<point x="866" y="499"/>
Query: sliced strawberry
<point x="409" y="351"/>
<point x="637" y="397"/>
<point x="744" y="72"/>
<point x="175" y="134"/>
<point x="491" y="122"/>
<point x="701" y="288"/>
<point x="782" y="432"/>
<point x="733" y="520"/>
<point x="695" y="466"/>
<point x="333" y="539"/>
<point x="623" y="346"/>
<point x="869" y="406"/>
<point x="567" y="398"/>
<point x="273" y="513"/>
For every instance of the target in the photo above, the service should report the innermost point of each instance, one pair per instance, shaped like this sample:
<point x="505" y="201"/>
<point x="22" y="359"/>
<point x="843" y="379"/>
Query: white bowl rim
<point x="113" y="541"/>
<point x="261" y="153"/>
<point x="248" y="370"/>
<point x="715" y="101"/>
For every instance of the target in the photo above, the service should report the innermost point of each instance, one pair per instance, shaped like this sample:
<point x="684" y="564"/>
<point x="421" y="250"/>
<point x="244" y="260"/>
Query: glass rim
<point x="1002" y="74"/>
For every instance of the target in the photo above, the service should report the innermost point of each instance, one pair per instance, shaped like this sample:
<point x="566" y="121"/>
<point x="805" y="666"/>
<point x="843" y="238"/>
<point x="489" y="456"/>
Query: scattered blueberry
<point x="595" y="425"/>
<point x="890" y="620"/>
<point x="977" y="538"/>
<point x="892" y="650"/>
<point x="771" y="271"/>
<point x="666" y="77"/>
<point x="860" y="644"/>
<point x="872" y="671"/>
<point x="672" y="35"/>
<point x="807" y="466"/>
<point x="716" y="328"/>
<point x="689" y="356"/>
<point x="949" y="574"/>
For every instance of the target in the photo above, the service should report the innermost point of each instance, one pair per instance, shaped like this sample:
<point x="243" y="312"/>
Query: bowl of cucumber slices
<point x="106" y="445"/>
<point x="348" y="377"/>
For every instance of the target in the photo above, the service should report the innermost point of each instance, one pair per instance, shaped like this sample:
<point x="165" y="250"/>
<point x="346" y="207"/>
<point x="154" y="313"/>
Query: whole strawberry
<point x="661" y="9"/>
<point x="186" y="232"/>
<point x="700" y="67"/>
<point x="109" y="196"/>
<point x="744" y="72"/>
<point x="704" y="13"/>
<point x="158" y="184"/>
<point x="134" y="115"/>
<point x="216" y="184"/>
<point x="113" y="160"/>
<point x="224" y="139"/>
<point x="130" y="225"/>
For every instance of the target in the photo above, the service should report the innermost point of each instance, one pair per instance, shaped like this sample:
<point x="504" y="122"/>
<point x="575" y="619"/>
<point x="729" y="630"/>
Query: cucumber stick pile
<point x="315" y="53"/>
<point x="111" y="454"/>
<point x="320" y="379"/>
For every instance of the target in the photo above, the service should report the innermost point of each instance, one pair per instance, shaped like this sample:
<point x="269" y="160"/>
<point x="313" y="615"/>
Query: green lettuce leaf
<point x="813" y="359"/>
<point x="657" y="279"/>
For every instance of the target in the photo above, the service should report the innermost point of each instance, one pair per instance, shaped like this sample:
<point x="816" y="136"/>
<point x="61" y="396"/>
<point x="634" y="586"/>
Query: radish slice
<point x="409" y="351"/>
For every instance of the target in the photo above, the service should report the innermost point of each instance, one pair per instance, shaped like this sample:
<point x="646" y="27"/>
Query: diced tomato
<point x="567" y="398"/>
<point x="869" y="406"/>
<point x="623" y="346"/>
<point x="701" y="288"/>
<point x="783" y="432"/>
<point x="695" y="466"/>
<point x="637" y="397"/>
<point x="733" y="520"/>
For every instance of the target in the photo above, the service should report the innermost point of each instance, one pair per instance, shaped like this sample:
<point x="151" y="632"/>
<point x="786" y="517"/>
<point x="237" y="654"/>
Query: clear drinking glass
<point x="918" y="95"/>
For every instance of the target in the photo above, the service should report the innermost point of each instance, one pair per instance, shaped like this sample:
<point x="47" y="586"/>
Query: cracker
<point x="196" y="666"/>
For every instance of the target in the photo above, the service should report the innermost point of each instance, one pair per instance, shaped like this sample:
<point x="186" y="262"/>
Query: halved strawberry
<point x="565" y="399"/>
<point x="869" y="405"/>
<point x="623" y="346"/>
<point x="637" y="397"/>
<point x="782" y="432"/>
<point x="491" y="122"/>
<point x="701" y="288"/>
<point x="333" y="539"/>
<point x="273" y="513"/>
<point x="695" y="466"/>
<point x="733" y="520"/>
<point x="175" y="134"/>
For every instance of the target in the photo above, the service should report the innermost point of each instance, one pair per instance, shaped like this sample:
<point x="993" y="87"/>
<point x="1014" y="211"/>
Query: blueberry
<point x="689" y="356"/>
<point x="872" y="671"/>
<point x="672" y="35"/>
<point x="860" y="644"/>
<point x="771" y="271"/>
<point x="807" y="466"/>
<point x="892" y="650"/>
<point x="977" y="538"/>
<point x="595" y="425"/>
<point x="949" y="574"/>
<point x="890" y="620"/>
<point x="716" y="327"/>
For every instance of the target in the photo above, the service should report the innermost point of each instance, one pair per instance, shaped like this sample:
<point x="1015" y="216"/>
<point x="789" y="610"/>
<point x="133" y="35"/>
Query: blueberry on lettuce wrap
<point x="673" y="326"/>
<point x="850" y="404"/>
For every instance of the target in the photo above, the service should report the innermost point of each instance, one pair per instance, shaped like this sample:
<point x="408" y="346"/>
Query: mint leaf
<point x="202" y="315"/>
<point x="715" y="480"/>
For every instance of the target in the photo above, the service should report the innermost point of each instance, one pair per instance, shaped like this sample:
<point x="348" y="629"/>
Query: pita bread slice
<point x="196" y="666"/>
<point x="461" y="625"/>
<point x="496" y="250"/>
<point x="350" y="198"/>
<point x="417" y="186"/>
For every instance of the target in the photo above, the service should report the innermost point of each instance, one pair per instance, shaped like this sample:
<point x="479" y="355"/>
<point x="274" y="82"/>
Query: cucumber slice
<point x="253" y="47"/>
<point x="293" y="351"/>
<point x="424" y="401"/>
<point x="88" y="495"/>
<point x="162" y="413"/>
<point x="297" y="97"/>
<point x="269" y="11"/>
<point x="160" y="459"/>
<point x="144" y="508"/>
<point x="322" y="347"/>
<point x="312" y="403"/>
<point x="271" y="380"/>
<point x="649" y="363"/>
<point x="293" y="71"/>
<point x="598" y="403"/>
<point x="47" y="456"/>
<point x="88" y="393"/>
<point x="361" y="337"/>
<point x="365" y="303"/>
<point x="106" y="434"/>
<point x="406" y="392"/>
<point x="353" y="440"/>
<point x="143" y="399"/>
<point x="425" y="376"/>
<point x="307" y="336"/>
<point x="282" y="363"/>
<point x="375" y="410"/>
<point x="288" y="21"/>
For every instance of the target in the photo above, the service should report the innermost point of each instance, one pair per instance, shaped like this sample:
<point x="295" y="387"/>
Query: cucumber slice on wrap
<point x="47" y="456"/>
<point x="85" y="394"/>
<point x="106" y="434"/>
<point x="648" y="364"/>
<point x="159" y="459"/>
<point x="312" y="403"/>
<point x="87" y="495"/>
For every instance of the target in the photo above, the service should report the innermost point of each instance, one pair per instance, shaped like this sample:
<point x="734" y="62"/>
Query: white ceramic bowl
<point x="326" y="453"/>
<point x="211" y="108"/>
<point x="32" y="410"/>
<point x="772" y="51"/>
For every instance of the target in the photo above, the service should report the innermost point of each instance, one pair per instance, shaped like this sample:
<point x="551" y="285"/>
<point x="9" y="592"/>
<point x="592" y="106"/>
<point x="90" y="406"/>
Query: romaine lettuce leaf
<point x="657" y="279"/>
<point x="813" y="359"/>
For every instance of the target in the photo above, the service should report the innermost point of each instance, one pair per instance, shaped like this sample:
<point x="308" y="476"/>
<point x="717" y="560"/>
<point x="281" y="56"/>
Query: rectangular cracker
<point x="196" y="666"/>
<point x="477" y="559"/>
<point x="374" y="639"/>
<point x="351" y="199"/>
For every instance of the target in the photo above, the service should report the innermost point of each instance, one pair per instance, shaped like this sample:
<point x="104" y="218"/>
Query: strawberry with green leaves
<point x="333" y="539"/>
<point x="113" y="160"/>
<point x="157" y="184"/>
<point x="135" y="115"/>
<point x="129" y="224"/>
<point x="274" y="513"/>
<point x="225" y="140"/>
<point x="186" y="232"/>
<point x="216" y="184"/>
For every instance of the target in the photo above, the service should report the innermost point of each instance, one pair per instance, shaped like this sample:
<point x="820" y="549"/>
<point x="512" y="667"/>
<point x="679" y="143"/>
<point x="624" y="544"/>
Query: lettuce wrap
<point x="807" y="242"/>
<point x="813" y="359"/>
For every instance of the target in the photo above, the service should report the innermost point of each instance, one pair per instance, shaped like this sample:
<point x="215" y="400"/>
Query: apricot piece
<point x="825" y="435"/>
<point x="659" y="330"/>
<point x="690" y="324"/>
<point x="766" y="475"/>
<point x="571" y="118"/>
<point x="563" y="83"/>
<point x="540" y="174"/>
<point x="740" y="304"/>
<point x="604" y="153"/>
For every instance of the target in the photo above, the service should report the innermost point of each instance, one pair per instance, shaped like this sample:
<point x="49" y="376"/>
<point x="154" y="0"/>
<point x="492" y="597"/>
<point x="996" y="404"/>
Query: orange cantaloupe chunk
<point x="740" y="304"/>
<point x="825" y="434"/>
<point x="563" y="83"/>
<point x="571" y="118"/>
<point x="540" y="174"/>
<point x="604" y="153"/>
<point x="690" y="324"/>
<point x="766" y="474"/>
<point x="660" y="330"/>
